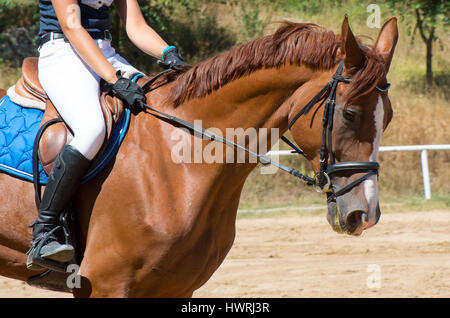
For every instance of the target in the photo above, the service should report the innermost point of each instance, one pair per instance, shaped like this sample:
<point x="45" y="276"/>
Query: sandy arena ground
<point x="405" y="255"/>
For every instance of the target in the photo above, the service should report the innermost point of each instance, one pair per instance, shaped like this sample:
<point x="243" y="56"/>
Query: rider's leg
<point x="64" y="179"/>
<point x="74" y="90"/>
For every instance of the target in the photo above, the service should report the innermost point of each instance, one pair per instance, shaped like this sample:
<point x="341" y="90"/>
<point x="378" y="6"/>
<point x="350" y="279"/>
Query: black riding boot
<point x="69" y="168"/>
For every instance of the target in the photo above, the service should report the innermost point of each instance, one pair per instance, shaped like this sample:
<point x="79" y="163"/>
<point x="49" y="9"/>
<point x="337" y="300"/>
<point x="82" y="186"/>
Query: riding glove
<point x="171" y="59"/>
<point x="128" y="91"/>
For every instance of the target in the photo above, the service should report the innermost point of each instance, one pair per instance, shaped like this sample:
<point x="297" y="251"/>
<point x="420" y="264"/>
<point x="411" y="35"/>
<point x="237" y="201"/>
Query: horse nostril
<point x="354" y="220"/>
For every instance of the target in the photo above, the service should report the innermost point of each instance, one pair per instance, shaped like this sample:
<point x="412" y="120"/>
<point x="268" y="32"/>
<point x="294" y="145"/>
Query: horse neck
<point x="253" y="101"/>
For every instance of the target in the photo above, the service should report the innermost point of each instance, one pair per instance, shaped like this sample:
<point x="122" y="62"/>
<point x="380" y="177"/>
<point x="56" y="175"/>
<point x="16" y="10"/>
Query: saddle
<point x="57" y="135"/>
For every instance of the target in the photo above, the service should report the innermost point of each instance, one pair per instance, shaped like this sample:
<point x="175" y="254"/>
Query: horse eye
<point x="349" y="115"/>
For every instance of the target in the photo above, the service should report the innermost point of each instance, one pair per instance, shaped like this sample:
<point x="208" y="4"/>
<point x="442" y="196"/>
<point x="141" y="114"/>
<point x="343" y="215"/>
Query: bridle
<point x="328" y="165"/>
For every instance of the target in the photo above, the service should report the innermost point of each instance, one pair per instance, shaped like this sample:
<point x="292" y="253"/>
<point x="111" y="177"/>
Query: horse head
<point x="352" y="133"/>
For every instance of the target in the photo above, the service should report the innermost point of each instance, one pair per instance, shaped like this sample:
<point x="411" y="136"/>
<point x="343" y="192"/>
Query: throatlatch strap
<point x="296" y="149"/>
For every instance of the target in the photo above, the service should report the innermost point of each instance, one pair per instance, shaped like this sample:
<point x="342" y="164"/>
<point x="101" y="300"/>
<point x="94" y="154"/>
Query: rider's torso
<point x="94" y="15"/>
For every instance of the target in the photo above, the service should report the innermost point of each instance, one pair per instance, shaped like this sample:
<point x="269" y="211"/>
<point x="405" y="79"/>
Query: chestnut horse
<point x="149" y="227"/>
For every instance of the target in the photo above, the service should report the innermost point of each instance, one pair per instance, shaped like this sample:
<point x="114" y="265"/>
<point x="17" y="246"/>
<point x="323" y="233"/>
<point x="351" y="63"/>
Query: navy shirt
<point x="94" y="16"/>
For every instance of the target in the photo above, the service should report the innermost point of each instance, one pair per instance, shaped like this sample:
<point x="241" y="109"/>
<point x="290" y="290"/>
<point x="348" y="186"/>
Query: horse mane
<point x="295" y="43"/>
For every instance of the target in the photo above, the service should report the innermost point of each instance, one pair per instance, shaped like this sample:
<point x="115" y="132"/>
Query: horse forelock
<point x="295" y="43"/>
<point x="367" y="77"/>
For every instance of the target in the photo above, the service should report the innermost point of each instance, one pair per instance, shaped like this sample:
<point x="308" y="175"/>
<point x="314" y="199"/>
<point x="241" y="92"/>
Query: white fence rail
<point x="423" y="155"/>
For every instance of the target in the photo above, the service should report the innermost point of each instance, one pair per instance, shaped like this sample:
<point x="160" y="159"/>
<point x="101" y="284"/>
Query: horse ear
<point x="387" y="40"/>
<point x="353" y="55"/>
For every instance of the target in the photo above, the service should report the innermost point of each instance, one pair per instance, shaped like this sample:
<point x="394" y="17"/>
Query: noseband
<point x="328" y="165"/>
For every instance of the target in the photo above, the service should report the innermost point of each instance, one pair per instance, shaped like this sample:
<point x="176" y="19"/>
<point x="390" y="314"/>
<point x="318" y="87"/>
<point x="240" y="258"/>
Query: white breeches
<point x="74" y="89"/>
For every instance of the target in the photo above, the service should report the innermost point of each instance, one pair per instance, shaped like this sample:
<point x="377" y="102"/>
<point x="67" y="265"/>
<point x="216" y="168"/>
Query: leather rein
<point x="321" y="182"/>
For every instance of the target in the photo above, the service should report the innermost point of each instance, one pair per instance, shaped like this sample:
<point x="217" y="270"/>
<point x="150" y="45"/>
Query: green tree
<point x="427" y="15"/>
<point x="18" y="35"/>
<point x="252" y="22"/>
<point x="14" y="14"/>
<point x="191" y="25"/>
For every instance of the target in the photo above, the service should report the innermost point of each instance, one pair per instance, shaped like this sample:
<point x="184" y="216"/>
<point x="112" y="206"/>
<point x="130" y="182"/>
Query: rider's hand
<point x="129" y="92"/>
<point x="172" y="59"/>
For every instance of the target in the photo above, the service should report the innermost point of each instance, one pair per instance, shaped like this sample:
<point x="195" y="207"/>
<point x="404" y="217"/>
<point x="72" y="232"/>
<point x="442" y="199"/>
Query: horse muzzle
<point x="352" y="212"/>
<point x="353" y="222"/>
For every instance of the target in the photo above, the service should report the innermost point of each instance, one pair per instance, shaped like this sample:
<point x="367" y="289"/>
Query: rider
<point x="75" y="53"/>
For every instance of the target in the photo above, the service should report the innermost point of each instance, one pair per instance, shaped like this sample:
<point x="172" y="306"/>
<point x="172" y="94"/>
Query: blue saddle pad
<point x="18" y="129"/>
